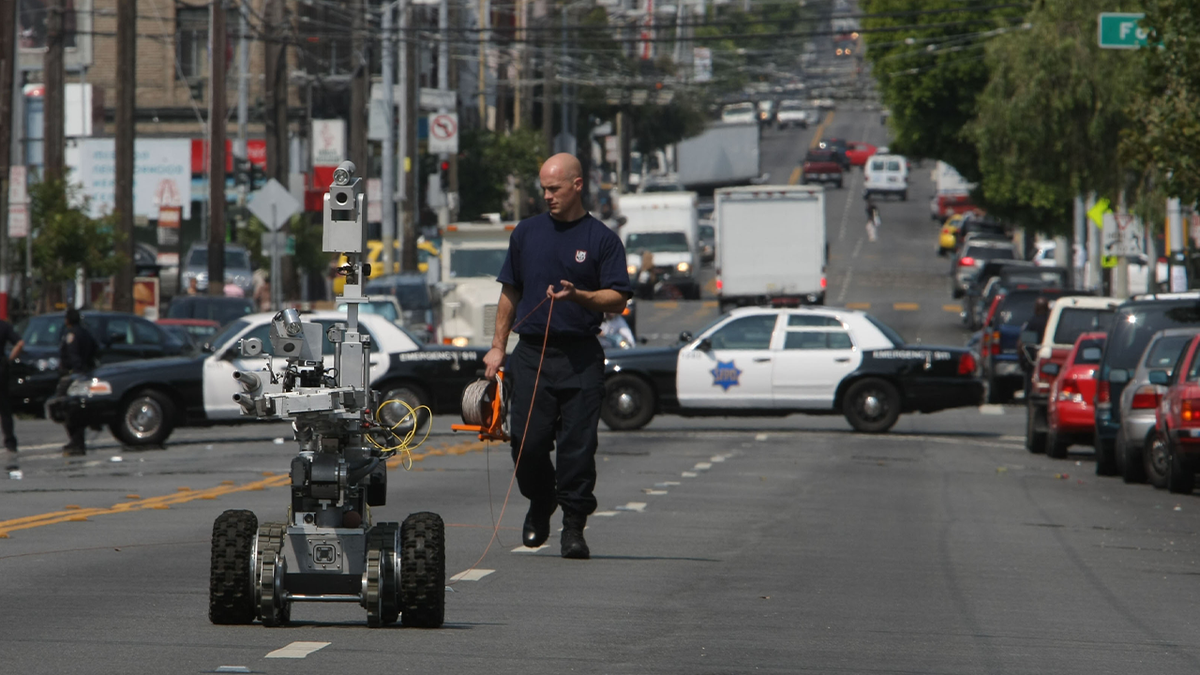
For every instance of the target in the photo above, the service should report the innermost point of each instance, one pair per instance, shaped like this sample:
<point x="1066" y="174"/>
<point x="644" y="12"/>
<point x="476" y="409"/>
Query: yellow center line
<point x="74" y="513"/>
<point x="905" y="306"/>
<point x="952" y="308"/>
<point x="795" y="177"/>
<point x="858" y="305"/>
<point x="666" y="304"/>
<point x="816" y="139"/>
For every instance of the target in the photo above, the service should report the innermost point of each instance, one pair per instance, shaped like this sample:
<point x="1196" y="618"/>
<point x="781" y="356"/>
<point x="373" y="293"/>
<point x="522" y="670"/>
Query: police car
<point x="773" y="362"/>
<point x="142" y="402"/>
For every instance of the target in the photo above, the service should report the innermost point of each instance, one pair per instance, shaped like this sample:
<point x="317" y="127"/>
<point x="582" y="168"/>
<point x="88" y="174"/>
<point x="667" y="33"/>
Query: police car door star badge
<point x="725" y="375"/>
<point x="580" y="256"/>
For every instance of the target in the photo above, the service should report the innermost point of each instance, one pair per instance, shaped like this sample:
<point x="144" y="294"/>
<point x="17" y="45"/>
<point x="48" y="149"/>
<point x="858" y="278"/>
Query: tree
<point x="1166" y="132"/>
<point x="66" y="239"/>
<point x="1050" y="119"/>
<point x="927" y="56"/>
<point x="486" y="160"/>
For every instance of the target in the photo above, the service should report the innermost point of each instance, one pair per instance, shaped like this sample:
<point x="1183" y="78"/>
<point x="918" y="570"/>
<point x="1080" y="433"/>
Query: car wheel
<point x="628" y="403"/>
<point x="1154" y="460"/>
<point x="871" y="406"/>
<point x="1056" y="448"/>
<point x="398" y="415"/>
<point x="904" y="196"/>
<point x="146" y="419"/>
<point x="1035" y="428"/>
<point x="1106" y="463"/>
<point x="1181" y="475"/>
<point x="839" y="184"/>
<point x="994" y="395"/>
<point x="1129" y="461"/>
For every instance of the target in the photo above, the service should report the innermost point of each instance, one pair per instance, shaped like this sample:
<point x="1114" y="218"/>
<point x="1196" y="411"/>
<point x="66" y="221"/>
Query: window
<point x="657" y="242"/>
<point x="813" y="320"/>
<point x="1165" y="353"/>
<point x="1073" y="322"/>
<point x="146" y="333"/>
<point x="812" y="339"/>
<point x="476" y="262"/>
<point x="747" y="332"/>
<point x="191" y="40"/>
<point x="118" y="332"/>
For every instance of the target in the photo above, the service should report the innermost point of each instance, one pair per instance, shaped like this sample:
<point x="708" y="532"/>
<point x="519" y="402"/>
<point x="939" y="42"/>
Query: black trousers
<point x="74" y="427"/>
<point x="566" y="413"/>
<point x="6" y="416"/>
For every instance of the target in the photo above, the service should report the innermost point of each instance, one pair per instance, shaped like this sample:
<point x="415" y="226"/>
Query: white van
<point x="886" y="175"/>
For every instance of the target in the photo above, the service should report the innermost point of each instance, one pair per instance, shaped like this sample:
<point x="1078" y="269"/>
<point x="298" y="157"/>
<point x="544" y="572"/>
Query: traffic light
<point x="241" y="171"/>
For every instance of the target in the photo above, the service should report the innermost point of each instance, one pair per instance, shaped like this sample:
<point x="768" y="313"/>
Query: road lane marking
<point x="858" y="305"/>
<point x="605" y="514"/>
<point x="795" y="177"/>
<point x="761" y="437"/>
<point x="816" y="139"/>
<point x="717" y="458"/>
<point x="472" y="575"/>
<point x="710" y="304"/>
<point x="689" y="474"/>
<point x="297" y="650"/>
<point x="633" y="506"/>
<point x="952" y="308"/>
<point x="664" y="484"/>
<point x="164" y="502"/>
<point x="991" y="409"/>
<point x="666" y="304"/>
<point x="526" y="549"/>
<point x="905" y="306"/>
<point x="703" y="466"/>
<point x="231" y="669"/>
<point x="652" y="491"/>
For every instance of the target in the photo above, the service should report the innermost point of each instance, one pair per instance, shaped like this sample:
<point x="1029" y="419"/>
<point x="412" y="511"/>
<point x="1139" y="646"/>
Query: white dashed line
<point x="633" y="506"/>
<point x="605" y="514"/>
<point x="669" y="483"/>
<point x="761" y="437"/>
<point x="471" y="575"/>
<point x="689" y="474"/>
<point x="231" y="669"/>
<point x="717" y="458"/>
<point x="651" y="491"/>
<point x="297" y="650"/>
<point x="991" y="409"/>
<point x="526" y="549"/>
<point x="703" y="466"/>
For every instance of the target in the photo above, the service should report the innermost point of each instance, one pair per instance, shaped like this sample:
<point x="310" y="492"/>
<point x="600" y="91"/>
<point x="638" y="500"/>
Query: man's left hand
<point x="567" y="293"/>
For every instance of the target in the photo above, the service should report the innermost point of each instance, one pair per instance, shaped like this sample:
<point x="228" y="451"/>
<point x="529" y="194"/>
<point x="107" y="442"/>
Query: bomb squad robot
<point x="327" y="549"/>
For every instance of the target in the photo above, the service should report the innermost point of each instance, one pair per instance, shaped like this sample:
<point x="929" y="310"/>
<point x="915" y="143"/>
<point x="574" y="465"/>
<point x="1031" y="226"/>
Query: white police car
<point x="771" y="362"/>
<point x="142" y="402"/>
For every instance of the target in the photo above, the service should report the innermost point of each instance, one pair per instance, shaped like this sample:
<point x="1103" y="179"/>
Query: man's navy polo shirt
<point x="542" y="252"/>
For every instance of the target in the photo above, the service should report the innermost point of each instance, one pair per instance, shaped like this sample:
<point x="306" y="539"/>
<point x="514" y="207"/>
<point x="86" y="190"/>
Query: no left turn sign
<point x="443" y="132"/>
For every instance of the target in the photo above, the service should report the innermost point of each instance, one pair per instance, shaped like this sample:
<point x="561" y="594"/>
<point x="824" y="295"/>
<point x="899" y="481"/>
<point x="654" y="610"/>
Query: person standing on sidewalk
<point x="8" y="336"/>
<point x="77" y="354"/>
<point x="581" y="264"/>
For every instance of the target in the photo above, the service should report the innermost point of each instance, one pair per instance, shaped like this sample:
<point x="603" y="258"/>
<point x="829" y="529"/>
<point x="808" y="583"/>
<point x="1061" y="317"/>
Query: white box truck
<point x="666" y="225"/>
<point x="472" y="255"/>
<point x="771" y="247"/>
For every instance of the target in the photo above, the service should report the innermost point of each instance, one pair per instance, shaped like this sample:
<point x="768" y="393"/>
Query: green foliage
<point x="657" y="126"/>
<point x="65" y="238"/>
<point x="1050" y="119"/>
<point x="1166" y="134"/>
<point x="930" y="75"/>
<point x="485" y="162"/>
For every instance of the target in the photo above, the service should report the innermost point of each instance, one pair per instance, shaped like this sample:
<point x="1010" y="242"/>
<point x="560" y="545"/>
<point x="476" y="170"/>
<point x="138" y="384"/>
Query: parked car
<point x="968" y="264"/>
<point x="418" y="311"/>
<point x="948" y="236"/>
<point x="194" y="333"/>
<point x="1177" y="420"/>
<point x="1069" y="412"/>
<point x="1000" y="361"/>
<point x="1137" y="458"/>
<point x="1135" y="323"/>
<point x="119" y="337"/>
<point x="773" y="362"/>
<point x="143" y="402"/>
<point x="237" y="268"/>
<point x="217" y="308"/>
<point x="1069" y="318"/>
<point x="978" y="286"/>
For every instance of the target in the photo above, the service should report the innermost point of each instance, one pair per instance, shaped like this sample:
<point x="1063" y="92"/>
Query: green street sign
<point x="1120" y="30"/>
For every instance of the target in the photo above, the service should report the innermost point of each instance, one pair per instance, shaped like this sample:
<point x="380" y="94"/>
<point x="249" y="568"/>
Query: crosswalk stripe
<point x="297" y="650"/>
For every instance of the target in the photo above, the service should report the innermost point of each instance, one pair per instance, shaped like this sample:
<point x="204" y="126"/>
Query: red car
<point x="1070" y="411"/>
<point x="1177" y="419"/>
<point x="858" y="153"/>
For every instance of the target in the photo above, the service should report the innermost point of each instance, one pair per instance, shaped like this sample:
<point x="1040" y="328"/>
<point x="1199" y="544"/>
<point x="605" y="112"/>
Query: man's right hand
<point x="493" y="361"/>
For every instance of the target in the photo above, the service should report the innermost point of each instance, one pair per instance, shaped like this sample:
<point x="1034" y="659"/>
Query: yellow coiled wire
<point x="405" y="446"/>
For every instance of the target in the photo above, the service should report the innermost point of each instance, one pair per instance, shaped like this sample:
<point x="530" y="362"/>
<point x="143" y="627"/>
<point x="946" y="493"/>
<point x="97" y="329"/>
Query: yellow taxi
<point x="948" y="240"/>
<point x="425" y="251"/>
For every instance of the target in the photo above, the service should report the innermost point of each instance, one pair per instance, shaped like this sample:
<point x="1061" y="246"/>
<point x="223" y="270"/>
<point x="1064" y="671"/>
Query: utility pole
<point x="52" y="64"/>
<point x="443" y="83"/>
<point x="243" y="111"/>
<point x="216" y="148"/>
<point x="408" y="242"/>
<point x="275" y="93"/>
<point x="8" y="17"/>
<point x="456" y="18"/>
<point x="485" y="22"/>
<point x="387" y="201"/>
<point x="122" y="292"/>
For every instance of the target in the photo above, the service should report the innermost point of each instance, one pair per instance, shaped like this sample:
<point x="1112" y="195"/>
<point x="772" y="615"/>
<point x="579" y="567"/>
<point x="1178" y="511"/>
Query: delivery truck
<point x="771" y="247"/>
<point x="666" y="225"/>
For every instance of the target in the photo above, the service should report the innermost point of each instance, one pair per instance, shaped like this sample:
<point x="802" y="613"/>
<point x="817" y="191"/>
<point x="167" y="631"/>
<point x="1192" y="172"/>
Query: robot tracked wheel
<point x="327" y="549"/>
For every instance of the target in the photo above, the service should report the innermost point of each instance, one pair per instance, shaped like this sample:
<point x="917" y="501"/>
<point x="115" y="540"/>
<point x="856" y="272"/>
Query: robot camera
<point x="250" y="347"/>
<point x="344" y="193"/>
<point x="344" y="172"/>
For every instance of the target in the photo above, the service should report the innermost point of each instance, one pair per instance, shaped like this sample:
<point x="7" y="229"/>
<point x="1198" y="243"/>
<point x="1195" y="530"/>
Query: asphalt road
<point x="751" y="545"/>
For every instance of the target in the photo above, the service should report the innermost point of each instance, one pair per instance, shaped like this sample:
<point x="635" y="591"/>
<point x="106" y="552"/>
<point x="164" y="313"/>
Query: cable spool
<point x="485" y="409"/>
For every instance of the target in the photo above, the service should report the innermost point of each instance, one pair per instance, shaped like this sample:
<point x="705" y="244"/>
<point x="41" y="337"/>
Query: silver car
<point x="1136" y="459"/>
<point x="237" y="268"/>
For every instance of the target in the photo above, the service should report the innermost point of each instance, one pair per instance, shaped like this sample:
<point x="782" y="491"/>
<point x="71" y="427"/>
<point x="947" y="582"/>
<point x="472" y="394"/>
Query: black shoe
<point x="573" y="544"/>
<point x="73" y="451"/>
<point x="537" y="525"/>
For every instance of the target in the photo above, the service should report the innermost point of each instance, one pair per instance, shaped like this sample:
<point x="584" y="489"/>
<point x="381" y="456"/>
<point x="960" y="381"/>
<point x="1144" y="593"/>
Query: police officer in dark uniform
<point x="572" y="257"/>
<point x="8" y="336"/>
<point x="77" y="354"/>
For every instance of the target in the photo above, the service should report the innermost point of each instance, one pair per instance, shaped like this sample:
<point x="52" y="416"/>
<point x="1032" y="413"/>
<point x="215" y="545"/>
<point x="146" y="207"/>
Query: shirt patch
<point x="580" y="256"/>
<point x="70" y="338"/>
<point x="725" y="375"/>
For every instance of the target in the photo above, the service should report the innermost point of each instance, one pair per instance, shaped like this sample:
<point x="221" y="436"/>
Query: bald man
<point x="569" y="256"/>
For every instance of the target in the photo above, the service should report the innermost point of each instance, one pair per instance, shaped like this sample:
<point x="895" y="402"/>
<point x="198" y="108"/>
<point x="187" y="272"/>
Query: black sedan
<point x="775" y="362"/>
<point x="142" y="402"/>
<point x="119" y="337"/>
